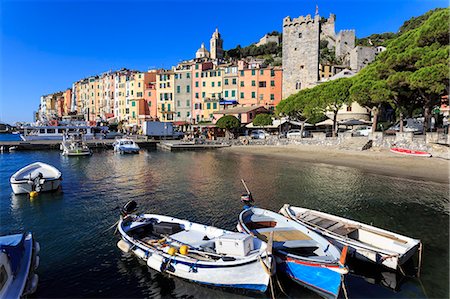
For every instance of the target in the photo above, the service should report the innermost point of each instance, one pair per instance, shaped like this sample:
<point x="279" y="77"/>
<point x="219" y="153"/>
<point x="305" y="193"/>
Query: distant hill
<point x="268" y="51"/>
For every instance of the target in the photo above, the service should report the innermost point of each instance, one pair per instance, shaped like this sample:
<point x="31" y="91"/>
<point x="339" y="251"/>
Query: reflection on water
<point x="79" y="257"/>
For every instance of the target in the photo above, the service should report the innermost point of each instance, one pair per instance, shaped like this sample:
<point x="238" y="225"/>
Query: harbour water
<point x="79" y="257"/>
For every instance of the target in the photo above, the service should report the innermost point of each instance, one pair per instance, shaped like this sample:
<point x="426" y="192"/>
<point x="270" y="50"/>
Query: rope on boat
<point x="419" y="263"/>
<point x="344" y="288"/>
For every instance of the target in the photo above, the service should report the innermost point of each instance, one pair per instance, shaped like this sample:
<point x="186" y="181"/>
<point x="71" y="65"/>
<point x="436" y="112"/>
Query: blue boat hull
<point x="321" y="280"/>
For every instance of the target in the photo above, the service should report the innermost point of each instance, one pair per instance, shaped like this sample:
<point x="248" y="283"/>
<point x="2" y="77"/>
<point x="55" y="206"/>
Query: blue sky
<point x="47" y="45"/>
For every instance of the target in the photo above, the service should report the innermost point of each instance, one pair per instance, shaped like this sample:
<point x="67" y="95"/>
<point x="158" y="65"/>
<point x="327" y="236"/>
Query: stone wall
<point x="361" y="56"/>
<point x="345" y="43"/>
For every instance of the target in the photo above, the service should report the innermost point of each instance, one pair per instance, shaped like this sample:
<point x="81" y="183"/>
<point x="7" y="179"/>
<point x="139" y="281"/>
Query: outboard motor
<point x="247" y="199"/>
<point x="36" y="182"/>
<point x="128" y="208"/>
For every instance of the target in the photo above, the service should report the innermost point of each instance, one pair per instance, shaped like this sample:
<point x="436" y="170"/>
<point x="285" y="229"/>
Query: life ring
<point x="245" y="141"/>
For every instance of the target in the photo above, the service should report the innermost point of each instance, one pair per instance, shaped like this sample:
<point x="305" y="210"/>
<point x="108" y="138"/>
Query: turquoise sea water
<point x="79" y="257"/>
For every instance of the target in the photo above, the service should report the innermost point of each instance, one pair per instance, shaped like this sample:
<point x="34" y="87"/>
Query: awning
<point x="300" y="123"/>
<point x="328" y="122"/>
<point x="180" y="123"/>
<point x="353" y="122"/>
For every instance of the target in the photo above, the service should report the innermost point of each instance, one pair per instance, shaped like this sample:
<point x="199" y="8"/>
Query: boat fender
<point x="124" y="246"/>
<point x="184" y="249"/>
<point x="36" y="262"/>
<point x="172" y="251"/>
<point x="33" y="194"/>
<point x="245" y="141"/>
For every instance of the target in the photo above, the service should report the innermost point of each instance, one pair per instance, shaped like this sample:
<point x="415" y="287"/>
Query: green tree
<point x="229" y="123"/>
<point x="262" y="119"/>
<point x="333" y="95"/>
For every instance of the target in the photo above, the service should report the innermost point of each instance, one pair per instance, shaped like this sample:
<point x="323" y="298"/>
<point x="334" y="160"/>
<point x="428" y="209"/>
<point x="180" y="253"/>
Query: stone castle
<point x="302" y="38"/>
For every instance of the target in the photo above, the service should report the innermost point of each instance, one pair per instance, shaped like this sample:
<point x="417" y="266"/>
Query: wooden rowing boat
<point x="301" y="253"/>
<point x="365" y="242"/>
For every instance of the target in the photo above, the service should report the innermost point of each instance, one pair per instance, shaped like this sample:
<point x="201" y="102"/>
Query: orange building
<point x="150" y="105"/>
<point x="260" y="86"/>
<point x="67" y="101"/>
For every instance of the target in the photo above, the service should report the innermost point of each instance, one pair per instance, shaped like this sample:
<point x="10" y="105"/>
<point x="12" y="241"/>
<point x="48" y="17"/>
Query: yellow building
<point x="165" y="83"/>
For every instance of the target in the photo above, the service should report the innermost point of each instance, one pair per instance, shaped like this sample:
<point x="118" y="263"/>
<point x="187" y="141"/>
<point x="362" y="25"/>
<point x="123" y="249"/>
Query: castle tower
<point x="301" y="37"/>
<point x="216" y="45"/>
<point x="202" y="52"/>
<point x="345" y="43"/>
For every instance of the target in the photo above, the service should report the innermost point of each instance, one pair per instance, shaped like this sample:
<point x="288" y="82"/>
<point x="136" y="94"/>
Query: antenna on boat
<point x="247" y="198"/>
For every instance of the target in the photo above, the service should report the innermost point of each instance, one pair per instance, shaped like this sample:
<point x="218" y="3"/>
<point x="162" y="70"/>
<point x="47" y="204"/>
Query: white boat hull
<point x="248" y="276"/>
<point x="381" y="247"/>
<point x="25" y="188"/>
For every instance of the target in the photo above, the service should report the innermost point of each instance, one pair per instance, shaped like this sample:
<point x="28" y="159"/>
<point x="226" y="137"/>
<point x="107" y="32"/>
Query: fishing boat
<point x="75" y="145"/>
<point x="302" y="254"/>
<point x="365" y="242"/>
<point x="404" y="151"/>
<point x="39" y="177"/>
<point x="196" y="252"/>
<point x="18" y="261"/>
<point x="126" y="146"/>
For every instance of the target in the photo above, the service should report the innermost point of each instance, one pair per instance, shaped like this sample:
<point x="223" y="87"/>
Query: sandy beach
<point x="373" y="161"/>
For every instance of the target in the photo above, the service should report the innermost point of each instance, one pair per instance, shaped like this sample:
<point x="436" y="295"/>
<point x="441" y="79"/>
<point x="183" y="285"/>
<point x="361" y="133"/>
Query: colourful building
<point x="165" y="90"/>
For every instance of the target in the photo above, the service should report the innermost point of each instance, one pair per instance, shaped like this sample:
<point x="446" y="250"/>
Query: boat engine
<point x="37" y="182"/>
<point x="128" y="208"/>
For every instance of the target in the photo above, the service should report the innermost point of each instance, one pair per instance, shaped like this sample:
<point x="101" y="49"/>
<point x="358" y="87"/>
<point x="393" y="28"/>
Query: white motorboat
<point x="196" y="252"/>
<point x="365" y="242"/>
<point x="18" y="261"/>
<point x="75" y="145"/>
<point x="39" y="177"/>
<point x="126" y="146"/>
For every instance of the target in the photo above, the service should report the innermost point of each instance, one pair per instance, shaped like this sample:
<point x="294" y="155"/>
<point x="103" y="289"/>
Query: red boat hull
<point x="404" y="151"/>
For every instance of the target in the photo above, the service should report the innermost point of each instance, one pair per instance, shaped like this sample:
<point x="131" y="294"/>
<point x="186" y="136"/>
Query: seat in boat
<point x="282" y="234"/>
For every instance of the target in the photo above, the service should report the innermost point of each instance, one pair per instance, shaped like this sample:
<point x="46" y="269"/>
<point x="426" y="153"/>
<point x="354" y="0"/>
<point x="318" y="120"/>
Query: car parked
<point x="259" y="134"/>
<point x="296" y="133"/>
<point x="409" y="125"/>
<point x="361" y="131"/>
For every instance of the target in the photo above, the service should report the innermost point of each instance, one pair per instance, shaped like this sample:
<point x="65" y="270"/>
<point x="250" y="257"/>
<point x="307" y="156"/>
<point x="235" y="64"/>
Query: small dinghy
<point x="126" y="146"/>
<point x="404" y="151"/>
<point x="18" y="261"/>
<point x="39" y="177"/>
<point x="365" y="242"/>
<point x="196" y="252"/>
